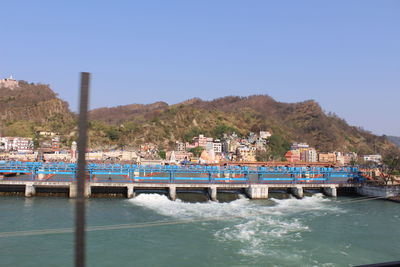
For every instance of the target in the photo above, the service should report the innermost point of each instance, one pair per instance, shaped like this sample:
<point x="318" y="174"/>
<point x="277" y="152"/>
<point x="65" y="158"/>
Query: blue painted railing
<point x="60" y="171"/>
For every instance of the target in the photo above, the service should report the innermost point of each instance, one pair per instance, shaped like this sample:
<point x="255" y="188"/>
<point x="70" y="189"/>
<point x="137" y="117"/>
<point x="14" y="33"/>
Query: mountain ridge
<point x="301" y="121"/>
<point x="31" y="106"/>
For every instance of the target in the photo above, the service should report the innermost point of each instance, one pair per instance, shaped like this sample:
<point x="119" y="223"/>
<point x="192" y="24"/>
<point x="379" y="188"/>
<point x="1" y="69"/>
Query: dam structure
<point x="35" y="178"/>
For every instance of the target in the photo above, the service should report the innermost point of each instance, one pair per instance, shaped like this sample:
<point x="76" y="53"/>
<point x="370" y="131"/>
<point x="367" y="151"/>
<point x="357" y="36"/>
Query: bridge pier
<point x="172" y="192"/>
<point x="257" y="192"/>
<point x="330" y="191"/>
<point x="297" y="191"/>
<point x="73" y="190"/>
<point x="30" y="190"/>
<point x="130" y="191"/>
<point x="212" y="192"/>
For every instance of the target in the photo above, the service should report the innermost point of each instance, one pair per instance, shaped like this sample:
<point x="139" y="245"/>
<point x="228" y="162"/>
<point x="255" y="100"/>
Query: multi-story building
<point x="233" y="146"/>
<point x="180" y="146"/>
<point x="202" y="140"/>
<point x="299" y="146"/>
<point x="225" y="145"/>
<point x="308" y="155"/>
<point x="293" y="155"/>
<point x="18" y="144"/>
<point x="245" y="153"/>
<point x="55" y="144"/>
<point x="374" y="158"/>
<point x="327" y="157"/>
<point x="217" y="146"/>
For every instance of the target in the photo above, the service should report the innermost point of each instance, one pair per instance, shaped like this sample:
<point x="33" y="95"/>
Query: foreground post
<point x="80" y="198"/>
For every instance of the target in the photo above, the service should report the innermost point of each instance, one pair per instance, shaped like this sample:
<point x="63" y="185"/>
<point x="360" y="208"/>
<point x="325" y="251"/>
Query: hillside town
<point x="202" y="150"/>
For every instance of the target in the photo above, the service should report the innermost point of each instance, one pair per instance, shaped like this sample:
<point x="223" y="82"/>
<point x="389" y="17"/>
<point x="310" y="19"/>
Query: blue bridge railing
<point x="61" y="171"/>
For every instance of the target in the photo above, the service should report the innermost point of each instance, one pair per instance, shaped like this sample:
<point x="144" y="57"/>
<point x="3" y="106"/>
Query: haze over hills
<point x="395" y="140"/>
<point x="31" y="106"/>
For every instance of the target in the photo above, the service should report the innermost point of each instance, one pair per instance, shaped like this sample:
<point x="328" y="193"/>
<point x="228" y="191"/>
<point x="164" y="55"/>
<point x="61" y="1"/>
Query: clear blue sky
<point x="343" y="54"/>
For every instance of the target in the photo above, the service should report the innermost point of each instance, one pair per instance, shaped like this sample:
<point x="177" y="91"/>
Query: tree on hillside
<point x="162" y="154"/>
<point x="391" y="165"/>
<point x="196" y="151"/>
<point x="263" y="155"/>
<point x="220" y="130"/>
<point x="193" y="132"/>
<point x="277" y="147"/>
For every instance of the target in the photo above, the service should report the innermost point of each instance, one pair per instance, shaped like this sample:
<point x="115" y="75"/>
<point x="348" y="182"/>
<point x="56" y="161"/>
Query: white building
<point x="8" y="83"/>
<point x="217" y="146"/>
<point x="374" y="158"/>
<point x="311" y="155"/>
<point x="265" y="134"/>
<point x="180" y="146"/>
<point x="299" y="146"/>
<point x="18" y="144"/>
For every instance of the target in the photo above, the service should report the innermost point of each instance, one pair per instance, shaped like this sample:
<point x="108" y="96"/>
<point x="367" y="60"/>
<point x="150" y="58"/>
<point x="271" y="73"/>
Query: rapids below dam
<point x="151" y="230"/>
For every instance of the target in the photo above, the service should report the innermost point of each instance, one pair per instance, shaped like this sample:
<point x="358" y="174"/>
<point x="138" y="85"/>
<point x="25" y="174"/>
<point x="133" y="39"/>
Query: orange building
<point x="292" y="155"/>
<point x="327" y="157"/>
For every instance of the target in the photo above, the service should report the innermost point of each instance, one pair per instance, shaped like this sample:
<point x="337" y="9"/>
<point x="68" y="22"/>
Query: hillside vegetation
<point x="302" y="122"/>
<point x="32" y="107"/>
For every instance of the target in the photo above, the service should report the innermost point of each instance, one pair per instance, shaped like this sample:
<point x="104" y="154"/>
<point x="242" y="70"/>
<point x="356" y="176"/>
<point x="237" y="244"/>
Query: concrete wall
<point x="378" y="191"/>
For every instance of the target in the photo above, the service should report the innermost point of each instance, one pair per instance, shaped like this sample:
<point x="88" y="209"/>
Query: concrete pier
<point x="30" y="190"/>
<point x="379" y="191"/>
<point x="297" y="191"/>
<point x="330" y="191"/>
<point x="257" y="191"/>
<point x="130" y="191"/>
<point x="73" y="190"/>
<point x="212" y="192"/>
<point x="253" y="191"/>
<point x="172" y="192"/>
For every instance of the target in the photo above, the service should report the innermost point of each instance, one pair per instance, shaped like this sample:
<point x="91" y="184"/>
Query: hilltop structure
<point x="8" y="83"/>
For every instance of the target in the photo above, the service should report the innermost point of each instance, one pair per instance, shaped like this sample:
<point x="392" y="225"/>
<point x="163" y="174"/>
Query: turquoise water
<point x="314" y="231"/>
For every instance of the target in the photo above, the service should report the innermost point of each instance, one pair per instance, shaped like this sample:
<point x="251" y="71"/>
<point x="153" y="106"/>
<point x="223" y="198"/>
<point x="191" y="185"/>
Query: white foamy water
<point x="256" y="227"/>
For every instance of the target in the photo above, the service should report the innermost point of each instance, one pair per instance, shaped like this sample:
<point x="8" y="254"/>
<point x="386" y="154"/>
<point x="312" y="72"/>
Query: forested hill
<point x="30" y="107"/>
<point x="162" y="123"/>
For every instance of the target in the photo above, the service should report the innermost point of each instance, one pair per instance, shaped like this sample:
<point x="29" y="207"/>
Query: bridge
<point x="254" y="181"/>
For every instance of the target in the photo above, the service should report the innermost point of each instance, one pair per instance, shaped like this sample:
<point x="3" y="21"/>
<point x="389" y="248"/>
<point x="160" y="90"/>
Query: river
<point x="151" y="230"/>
